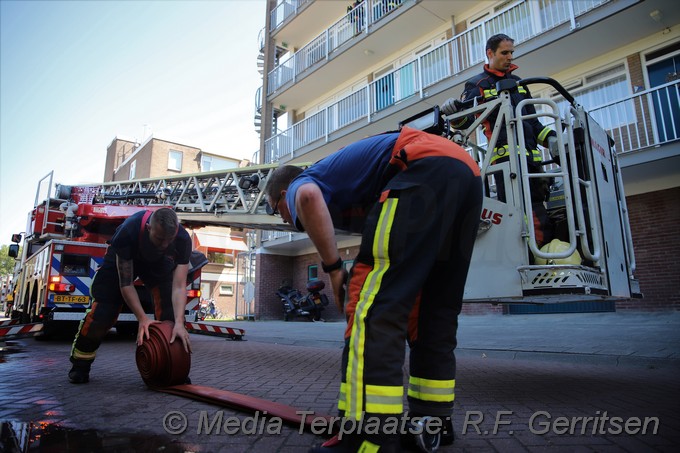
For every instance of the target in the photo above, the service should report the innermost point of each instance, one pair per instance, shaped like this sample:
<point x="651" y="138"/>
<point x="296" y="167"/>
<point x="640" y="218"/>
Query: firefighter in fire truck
<point x="500" y="51"/>
<point x="416" y="199"/>
<point x="155" y="248"/>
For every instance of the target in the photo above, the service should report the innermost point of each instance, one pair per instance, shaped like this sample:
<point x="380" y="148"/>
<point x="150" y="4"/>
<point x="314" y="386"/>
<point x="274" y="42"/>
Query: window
<point x="175" y="160"/>
<point x="603" y="88"/>
<point x="226" y="290"/>
<point x="133" y="169"/>
<point x="205" y="290"/>
<point x="75" y="265"/>
<point x="206" y="163"/>
<point x="226" y="259"/>
<point x="313" y="272"/>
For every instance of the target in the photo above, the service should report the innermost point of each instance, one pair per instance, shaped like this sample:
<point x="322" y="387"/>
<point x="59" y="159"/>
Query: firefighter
<point x="500" y="49"/>
<point x="416" y="199"/>
<point x="155" y="248"/>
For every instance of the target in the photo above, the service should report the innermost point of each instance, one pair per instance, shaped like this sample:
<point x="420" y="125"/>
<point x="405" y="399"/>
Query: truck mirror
<point x="13" y="250"/>
<point x="16" y="238"/>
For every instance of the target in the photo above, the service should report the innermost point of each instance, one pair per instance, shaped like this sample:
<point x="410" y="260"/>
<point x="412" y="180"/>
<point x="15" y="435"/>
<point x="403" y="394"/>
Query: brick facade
<point x="270" y="271"/>
<point x="151" y="160"/>
<point x="654" y="219"/>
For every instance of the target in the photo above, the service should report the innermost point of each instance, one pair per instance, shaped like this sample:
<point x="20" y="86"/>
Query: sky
<point x="76" y="74"/>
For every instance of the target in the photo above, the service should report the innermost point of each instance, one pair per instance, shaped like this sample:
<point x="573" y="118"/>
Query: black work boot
<point x="422" y="435"/>
<point x="447" y="435"/>
<point x="80" y="371"/>
<point x="353" y="444"/>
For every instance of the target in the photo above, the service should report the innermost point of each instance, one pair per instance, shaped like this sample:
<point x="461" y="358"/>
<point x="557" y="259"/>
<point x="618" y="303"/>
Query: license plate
<point x="60" y="298"/>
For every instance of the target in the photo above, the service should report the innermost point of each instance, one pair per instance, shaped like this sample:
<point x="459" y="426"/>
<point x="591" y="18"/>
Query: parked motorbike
<point x="207" y="310"/>
<point x="309" y="305"/>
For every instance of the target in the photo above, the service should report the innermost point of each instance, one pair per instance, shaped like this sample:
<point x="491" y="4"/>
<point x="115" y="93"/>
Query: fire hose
<point x="164" y="367"/>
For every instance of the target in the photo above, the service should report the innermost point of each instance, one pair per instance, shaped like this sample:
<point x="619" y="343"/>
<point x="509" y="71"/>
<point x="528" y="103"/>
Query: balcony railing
<point x="523" y="21"/>
<point x="283" y="11"/>
<point x="355" y="22"/>
<point x="646" y="119"/>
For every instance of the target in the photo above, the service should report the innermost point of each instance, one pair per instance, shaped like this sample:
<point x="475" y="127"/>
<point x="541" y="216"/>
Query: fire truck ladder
<point x="233" y="197"/>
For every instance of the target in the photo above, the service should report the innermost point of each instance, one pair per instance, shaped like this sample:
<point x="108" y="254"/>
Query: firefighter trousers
<point x="407" y="284"/>
<point x="107" y="305"/>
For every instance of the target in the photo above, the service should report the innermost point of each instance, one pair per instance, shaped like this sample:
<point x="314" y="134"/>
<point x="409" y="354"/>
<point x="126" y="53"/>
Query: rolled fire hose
<point x="164" y="367"/>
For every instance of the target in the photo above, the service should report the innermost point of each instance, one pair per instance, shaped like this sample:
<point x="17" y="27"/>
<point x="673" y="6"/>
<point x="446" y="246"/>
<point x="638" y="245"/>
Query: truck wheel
<point x="47" y="332"/>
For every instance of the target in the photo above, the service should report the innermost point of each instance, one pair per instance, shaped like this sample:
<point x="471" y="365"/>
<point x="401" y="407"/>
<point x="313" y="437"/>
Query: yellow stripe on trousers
<point x="381" y="263"/>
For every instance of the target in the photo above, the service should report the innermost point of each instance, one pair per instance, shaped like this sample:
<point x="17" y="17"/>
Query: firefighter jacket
<point x="484" y="86"/>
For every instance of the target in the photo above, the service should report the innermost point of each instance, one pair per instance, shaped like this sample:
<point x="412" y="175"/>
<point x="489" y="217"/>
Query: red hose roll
<point x="165" y="367"/>
<point x="161" y="363"/>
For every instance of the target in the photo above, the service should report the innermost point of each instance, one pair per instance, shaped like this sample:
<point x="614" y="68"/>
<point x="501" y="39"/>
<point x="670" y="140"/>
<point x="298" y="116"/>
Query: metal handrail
<point x="437" y="65"/>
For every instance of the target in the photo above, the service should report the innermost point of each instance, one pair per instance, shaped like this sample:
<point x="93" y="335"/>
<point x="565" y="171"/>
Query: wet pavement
<point x="566" y="382"/>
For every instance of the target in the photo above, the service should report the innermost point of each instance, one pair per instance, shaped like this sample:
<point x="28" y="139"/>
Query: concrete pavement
<point x="581" y="382"/>
<point x="615" y="338"/>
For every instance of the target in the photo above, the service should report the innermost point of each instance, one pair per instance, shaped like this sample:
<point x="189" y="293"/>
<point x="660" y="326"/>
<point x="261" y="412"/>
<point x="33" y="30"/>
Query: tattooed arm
<point x="127" y="289"/>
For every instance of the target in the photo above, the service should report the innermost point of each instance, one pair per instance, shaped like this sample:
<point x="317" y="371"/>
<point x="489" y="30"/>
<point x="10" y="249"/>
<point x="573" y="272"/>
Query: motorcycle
<point x="207" y="310"/>
<point x="308" y="306"/>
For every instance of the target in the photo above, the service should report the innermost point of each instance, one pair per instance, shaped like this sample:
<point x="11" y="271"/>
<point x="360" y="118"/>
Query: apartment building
<point x="334" y="72"/>
<point x="127" y="159"/>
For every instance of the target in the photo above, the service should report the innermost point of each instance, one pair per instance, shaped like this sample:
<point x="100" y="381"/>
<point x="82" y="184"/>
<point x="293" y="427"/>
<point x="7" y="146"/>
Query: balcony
<point x="451" y="58"/>
<point x="442" y="70"/>
<point x="355" y="22"/>
<point x="357" y="39"/>
<point x="284" y="11"/>
<point x="646" y="131"/>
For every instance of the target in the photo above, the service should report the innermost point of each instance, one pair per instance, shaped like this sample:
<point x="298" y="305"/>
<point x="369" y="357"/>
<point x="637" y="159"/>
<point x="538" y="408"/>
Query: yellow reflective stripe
<point x="78" y="354"/>
<point x="544" y="134"/>
<point x="381" y="263"/>
<point x="502" y="151"/>
<point x="384" y="399"/>
<point x="342" y="402"/>
<point x="437" y="383"/>
<point x="490" y="93"/>
<point x="431" y="389"/>
<point x="368" y="447"/>
<point x="521" y="89"/>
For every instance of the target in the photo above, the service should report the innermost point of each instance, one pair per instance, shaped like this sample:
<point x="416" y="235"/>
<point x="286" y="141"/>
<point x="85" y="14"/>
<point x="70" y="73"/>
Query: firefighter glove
<point x="553" y="148"/>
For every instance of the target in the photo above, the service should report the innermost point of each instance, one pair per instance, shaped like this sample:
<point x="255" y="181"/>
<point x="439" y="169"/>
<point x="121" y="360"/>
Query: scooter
<point x="308" y="306"/>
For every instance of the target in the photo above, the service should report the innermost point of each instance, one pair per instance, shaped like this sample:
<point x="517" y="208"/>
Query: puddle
<point x="8" y="347"/>
<point x="20" y="437"/>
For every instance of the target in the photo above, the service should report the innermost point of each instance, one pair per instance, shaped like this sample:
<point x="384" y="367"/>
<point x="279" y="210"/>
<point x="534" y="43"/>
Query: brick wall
<point x="654" y="219"/>
<point x="300" y="270"/>
<point x="270" y="271"/>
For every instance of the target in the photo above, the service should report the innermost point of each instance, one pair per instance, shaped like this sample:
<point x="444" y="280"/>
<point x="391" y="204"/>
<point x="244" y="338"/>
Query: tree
<point x="6" y="261"/>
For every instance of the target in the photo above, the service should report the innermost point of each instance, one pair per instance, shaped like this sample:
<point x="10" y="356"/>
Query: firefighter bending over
<point x="155" y="248"/>
<point x="416" y="198"/>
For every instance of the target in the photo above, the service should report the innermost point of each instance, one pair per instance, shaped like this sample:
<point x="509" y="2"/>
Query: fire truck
<point x="64" y="244"/>
<point x="593" y="259"/>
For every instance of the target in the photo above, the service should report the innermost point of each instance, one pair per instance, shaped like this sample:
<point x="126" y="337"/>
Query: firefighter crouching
<point x="155" y="248"/>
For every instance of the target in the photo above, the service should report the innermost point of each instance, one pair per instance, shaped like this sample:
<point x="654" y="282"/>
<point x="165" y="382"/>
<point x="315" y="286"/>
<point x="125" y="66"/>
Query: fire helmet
<point x="557" y="246"/>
